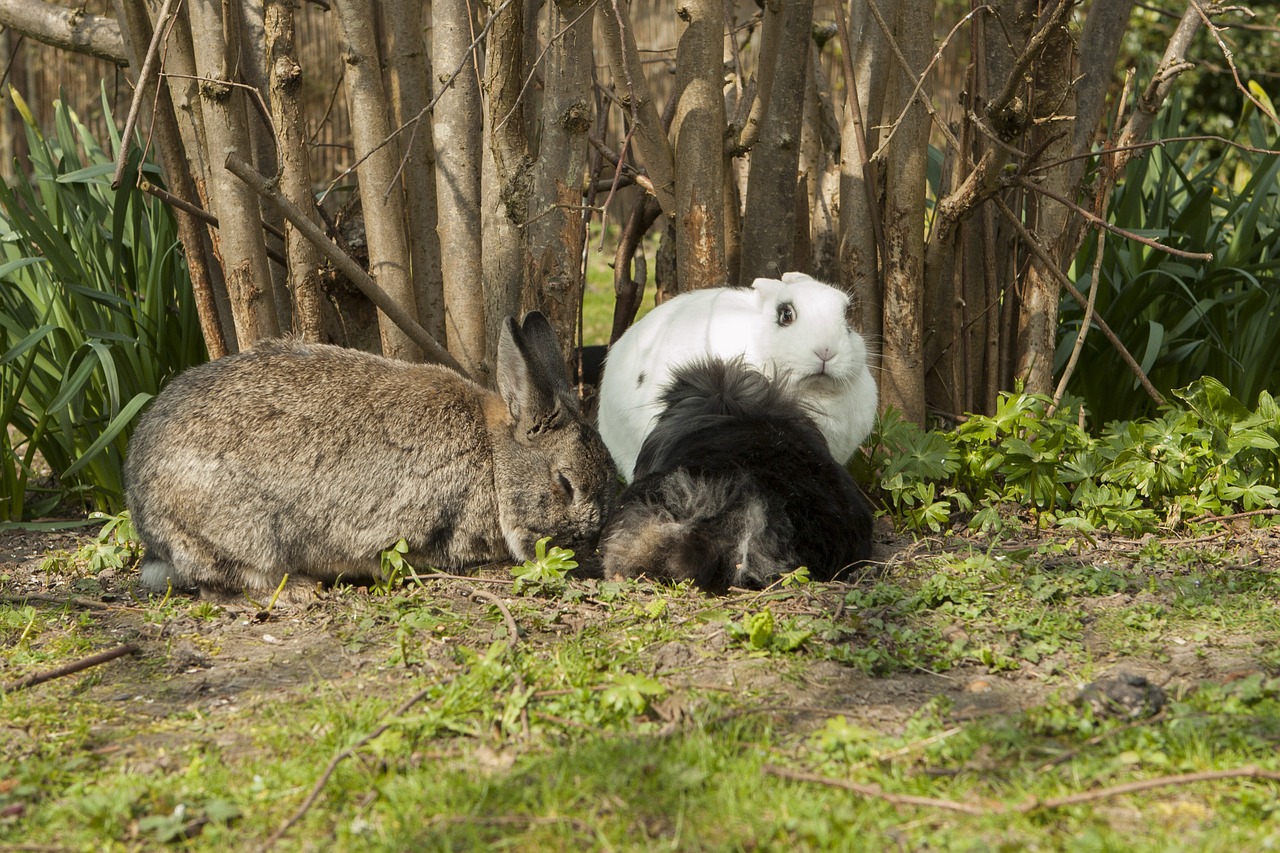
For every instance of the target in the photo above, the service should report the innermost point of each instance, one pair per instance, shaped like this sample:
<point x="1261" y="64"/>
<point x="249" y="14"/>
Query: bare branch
<point x="71" y="668"/>
<point x="342" y="262"/>
<point x="65" y="28"/>
<point x="1040" y="252"/>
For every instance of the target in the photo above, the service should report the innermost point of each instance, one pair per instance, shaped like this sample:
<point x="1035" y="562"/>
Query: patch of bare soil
<point x="227" y="661"/>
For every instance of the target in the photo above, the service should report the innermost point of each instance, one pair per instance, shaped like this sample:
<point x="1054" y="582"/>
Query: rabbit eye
<point x="565" y="486"/>
<point x="786" y="314"/>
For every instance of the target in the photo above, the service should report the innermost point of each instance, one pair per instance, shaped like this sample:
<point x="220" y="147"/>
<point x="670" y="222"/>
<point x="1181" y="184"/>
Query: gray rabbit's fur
<point x="309" y="460"/>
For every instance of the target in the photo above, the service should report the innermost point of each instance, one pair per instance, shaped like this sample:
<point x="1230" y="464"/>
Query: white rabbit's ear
<point x="796" y="278"/>
<point x="532" y="377"/>
<point x="767" y="291"/>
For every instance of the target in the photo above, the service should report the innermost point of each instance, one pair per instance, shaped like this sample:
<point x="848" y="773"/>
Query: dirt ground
<point x="241" y="657"/>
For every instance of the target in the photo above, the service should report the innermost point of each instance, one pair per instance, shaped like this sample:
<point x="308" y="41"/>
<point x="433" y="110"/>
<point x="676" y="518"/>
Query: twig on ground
<point x="1032" y="805"/>
<point x="876" y="792"/>
<point x="72" y="668"/>
<point x="83" y="603"/>
<point x="513" y="640"/>
<point x="338" y="759"/>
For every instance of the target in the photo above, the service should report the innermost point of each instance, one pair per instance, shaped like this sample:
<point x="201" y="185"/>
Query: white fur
<point x="819" y="353"/>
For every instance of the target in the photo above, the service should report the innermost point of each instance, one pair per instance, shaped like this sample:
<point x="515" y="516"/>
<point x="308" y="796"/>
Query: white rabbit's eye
<point x="565" y="486"/>
<point x="786" y="314"/>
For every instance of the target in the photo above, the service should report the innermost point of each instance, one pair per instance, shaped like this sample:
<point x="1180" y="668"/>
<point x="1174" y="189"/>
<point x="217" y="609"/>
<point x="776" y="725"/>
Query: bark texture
<point x="69" y="29"/>
<point x="380" y="196"/>
<point x="556" y="229"/>
<point x="456" y="124"/>
<point x="698" y="132"/>
<point x="239" y="241"/>
<point x="305" y="260"/>
<point x="614" y="19"/>
<point x="768" y="229"/>
<point x="903" y="378"/>
<point x="409" y="87"/>
<point x="508" y="174"/>
<point x="191" y="232"/>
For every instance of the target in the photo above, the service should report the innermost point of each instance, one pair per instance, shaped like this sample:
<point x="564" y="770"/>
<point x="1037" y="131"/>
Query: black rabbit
<point x="734" y="486"/>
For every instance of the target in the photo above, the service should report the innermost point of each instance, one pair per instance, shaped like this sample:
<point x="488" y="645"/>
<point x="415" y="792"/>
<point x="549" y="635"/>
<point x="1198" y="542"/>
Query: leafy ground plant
<point x="95" y="314"/>
<point x="1205" y="458"/>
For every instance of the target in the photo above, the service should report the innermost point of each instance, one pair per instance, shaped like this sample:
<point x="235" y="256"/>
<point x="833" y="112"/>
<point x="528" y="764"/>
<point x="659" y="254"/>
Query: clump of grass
<point x="96" y="314"/>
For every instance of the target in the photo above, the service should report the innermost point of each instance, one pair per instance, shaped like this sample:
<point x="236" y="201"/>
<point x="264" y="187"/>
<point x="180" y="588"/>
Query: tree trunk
<point x="456" y="124"/>
<point x="239" y="241"/>
<point x="305" y="260"/>
<point x="507" y="177"/>
<point x="250" y="47"/>
<point x="907" y="178"/>
<point x="380" y="197"/>
<point x="650" y="137"/>
<point x="768" y="229"/>
<point x="556" y="230"/>
<point x="138" y="32"/>
<point x="864" y="51"/>
<point x="698" y="132"/>
<point x="409" y="85"/>
<point x="181" y="82"/>
<point x="1053" y="106"/>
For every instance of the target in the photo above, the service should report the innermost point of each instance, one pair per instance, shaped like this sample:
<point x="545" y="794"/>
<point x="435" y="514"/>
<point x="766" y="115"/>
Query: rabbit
<point x="309" y="460"/>
<point x="734" y="486"/>
<point x="796" y="326"/>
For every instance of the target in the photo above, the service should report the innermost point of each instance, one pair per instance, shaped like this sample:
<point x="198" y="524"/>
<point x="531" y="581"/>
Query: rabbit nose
<point x="825" y="354"/>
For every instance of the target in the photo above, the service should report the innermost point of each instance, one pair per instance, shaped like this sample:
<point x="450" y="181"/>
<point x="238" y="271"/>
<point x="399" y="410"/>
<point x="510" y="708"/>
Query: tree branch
<point x="68" y="29"/>
<point x="1039" y="251"/>
<point x="342" y="262"/>
<point x="71" y="668"/>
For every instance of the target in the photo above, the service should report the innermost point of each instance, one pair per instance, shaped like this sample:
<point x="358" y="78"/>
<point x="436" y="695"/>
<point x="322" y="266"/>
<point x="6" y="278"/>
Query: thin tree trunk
<point x="138" y="31"/>
<point x="456" y="123"/>
<point x="823" y="174"/>
<point x="409" y="85"/>
<point x="305" y="260"/>
<point x="698" y="132"/>
<point x="381" y="199"/>
<point x="859" y="245"/>
<point x="507" y="178"/>
<point x="179" y="73"/>
<point x="903" y="377"/>
<point x="556" y="231"/>
<point x="650" y="138"/>
<point x="768" y="231"/>
<point x="250" y="48"/>
<point x="1054" y="107"/>
<point x="239" y="240"/>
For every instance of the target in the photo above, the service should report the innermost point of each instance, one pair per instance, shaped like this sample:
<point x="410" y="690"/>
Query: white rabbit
<point x="796" y="329"/>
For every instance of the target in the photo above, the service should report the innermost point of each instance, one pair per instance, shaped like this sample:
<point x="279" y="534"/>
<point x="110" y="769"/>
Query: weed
<point x="546" y="573"/>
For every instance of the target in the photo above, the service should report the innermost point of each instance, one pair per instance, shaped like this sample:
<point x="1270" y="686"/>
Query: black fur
<point x="734" y="486"/>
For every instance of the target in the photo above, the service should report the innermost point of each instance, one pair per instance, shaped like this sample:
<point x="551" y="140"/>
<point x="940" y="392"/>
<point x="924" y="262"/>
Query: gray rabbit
<point x="309" y="460"/>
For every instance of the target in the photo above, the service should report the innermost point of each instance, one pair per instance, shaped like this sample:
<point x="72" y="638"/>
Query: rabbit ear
<point x="767" y="290"/>
<point x="532" y="377"/>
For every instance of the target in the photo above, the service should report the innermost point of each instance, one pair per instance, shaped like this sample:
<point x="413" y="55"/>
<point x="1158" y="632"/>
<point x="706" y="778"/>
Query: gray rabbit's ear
<point x="532" y="377"/>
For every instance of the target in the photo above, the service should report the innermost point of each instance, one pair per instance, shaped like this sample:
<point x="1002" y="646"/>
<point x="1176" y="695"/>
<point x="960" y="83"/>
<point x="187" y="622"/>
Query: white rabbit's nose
<point x="825" y="354"/>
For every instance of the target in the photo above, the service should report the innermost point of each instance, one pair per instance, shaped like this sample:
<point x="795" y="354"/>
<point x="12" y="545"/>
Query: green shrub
<point x="1209" y="456"/>
<point x="96" y="315"/>
<point x="1183" y="319"/>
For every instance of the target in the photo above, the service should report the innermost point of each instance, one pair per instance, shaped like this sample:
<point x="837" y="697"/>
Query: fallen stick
<point x="71" y="668"/>
<point x="1032" y="805"/>
<point x="338" y="759"/>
